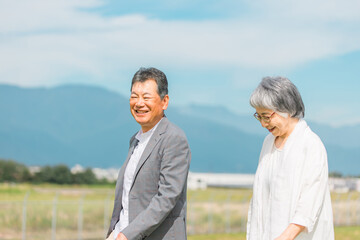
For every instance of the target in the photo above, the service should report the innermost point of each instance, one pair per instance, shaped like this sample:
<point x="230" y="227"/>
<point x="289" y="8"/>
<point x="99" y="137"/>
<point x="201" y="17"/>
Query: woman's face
<point x="278" y="125"/>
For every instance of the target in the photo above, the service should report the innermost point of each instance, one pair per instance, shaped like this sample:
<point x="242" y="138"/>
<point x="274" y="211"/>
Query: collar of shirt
<point x="144" y="137"/>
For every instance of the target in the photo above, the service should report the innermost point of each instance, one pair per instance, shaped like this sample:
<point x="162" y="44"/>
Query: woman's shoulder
<point x="312" y="140"/>
<point x="312" y="136"/>
<point x="268" y="140"/>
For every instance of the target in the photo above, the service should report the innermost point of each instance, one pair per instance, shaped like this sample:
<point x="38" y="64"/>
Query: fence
<point x="85" y="215"/>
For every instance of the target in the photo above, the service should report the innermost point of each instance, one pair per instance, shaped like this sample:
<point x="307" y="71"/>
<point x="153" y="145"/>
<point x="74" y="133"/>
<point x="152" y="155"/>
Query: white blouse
<point x="291" y="186"/>
<point x="266" y="179"/>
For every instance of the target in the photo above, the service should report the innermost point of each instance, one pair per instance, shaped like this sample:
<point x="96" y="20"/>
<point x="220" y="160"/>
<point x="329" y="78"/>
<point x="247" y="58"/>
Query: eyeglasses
<point x="266" y="119"/>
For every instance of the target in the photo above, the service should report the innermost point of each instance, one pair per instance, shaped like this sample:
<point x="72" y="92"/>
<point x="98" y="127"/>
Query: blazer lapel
<point x="133" y="143"/>
<point x="151" y="144"/>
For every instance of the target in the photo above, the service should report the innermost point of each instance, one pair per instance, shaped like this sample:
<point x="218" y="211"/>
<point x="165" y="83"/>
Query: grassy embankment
<point x="341" y="233"/>
<point x="211" y="212"/>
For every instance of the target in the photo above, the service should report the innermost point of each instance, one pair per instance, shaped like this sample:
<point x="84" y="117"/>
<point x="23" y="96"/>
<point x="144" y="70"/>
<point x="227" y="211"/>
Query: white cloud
<point x="23" y="16"/>
<point x="335" y="115"/>
<point x="44" y="41"/>
<point x="311" y="10"/>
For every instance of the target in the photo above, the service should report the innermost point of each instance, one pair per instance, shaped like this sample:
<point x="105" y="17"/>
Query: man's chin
<point x="140" y="119"/>
<point x="141" y="122"/>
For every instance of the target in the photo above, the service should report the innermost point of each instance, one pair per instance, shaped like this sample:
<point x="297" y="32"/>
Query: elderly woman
<point x="291" y="197"/>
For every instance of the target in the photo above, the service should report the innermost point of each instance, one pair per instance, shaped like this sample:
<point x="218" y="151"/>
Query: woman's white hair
<point x="278" y="94"/>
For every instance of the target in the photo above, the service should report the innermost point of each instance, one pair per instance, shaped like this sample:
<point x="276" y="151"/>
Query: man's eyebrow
<point x="145" y="93"/>
<point x="148" y="93"/>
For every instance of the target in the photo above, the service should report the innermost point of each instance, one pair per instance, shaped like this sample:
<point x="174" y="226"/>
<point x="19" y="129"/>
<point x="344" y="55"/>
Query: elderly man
<point x="150" y="195"/>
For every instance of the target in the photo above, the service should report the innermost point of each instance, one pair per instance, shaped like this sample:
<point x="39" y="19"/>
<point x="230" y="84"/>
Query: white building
<point x="34" y="169"/>
<point x="109" y="174"/>
<point x="204" y="180"/>
<point x="77" y="169"/>
<point x="227" y="180"/>
<point x="344" y="184"/>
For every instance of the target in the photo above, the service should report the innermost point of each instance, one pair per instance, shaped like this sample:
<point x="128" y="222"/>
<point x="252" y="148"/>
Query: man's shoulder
<point x="173" y="129"/>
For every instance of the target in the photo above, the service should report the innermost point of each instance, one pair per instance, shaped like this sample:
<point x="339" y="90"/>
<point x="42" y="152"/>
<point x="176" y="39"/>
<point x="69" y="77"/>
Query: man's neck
<point x="145" y="129"/>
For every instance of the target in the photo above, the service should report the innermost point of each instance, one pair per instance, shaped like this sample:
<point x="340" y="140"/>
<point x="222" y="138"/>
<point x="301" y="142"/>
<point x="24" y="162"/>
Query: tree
<point x="44" y="175"/>
<point x="61" y="175"/>
<point x="335" y="174"/>
<point x="11" y="171"/>
<point x="86" y="177"/>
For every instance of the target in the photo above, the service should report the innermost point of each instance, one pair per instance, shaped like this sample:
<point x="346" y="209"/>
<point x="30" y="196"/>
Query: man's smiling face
<point x="146" y="105"/>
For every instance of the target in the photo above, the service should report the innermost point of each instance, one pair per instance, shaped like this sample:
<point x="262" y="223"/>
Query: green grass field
<point x="86" y="210"/>
<point x="341" y="233"/>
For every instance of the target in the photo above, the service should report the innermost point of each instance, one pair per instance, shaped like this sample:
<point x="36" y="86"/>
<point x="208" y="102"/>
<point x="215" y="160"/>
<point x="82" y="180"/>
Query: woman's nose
<point x="263" y="124"/>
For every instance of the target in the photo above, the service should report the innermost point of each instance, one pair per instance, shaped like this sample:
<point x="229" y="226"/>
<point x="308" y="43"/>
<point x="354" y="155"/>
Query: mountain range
<point x="91" y="126"/>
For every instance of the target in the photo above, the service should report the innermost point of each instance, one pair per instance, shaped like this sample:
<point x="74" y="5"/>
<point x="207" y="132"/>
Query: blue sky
<point x="213" y="52"/>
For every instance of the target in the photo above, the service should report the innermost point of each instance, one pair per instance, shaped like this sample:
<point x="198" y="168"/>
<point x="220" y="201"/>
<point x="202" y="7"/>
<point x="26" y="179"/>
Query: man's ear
<point x="165" y="102"/>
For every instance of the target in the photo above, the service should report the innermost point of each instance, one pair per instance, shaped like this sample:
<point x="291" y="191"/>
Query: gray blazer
<point x="157" y="198"/>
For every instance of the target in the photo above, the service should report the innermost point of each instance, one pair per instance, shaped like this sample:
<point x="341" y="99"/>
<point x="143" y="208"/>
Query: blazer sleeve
<point x="173" y="174"/>
<point x="314" y="186"/>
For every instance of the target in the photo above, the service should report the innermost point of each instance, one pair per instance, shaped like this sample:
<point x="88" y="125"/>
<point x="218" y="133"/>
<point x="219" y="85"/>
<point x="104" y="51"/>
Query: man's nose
<point x="139" y="102"/>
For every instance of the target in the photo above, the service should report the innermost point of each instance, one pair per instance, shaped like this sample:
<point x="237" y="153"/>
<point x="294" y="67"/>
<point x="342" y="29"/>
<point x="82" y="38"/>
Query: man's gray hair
<point x="278" y="94"/>
<point x="144" y="74"/>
